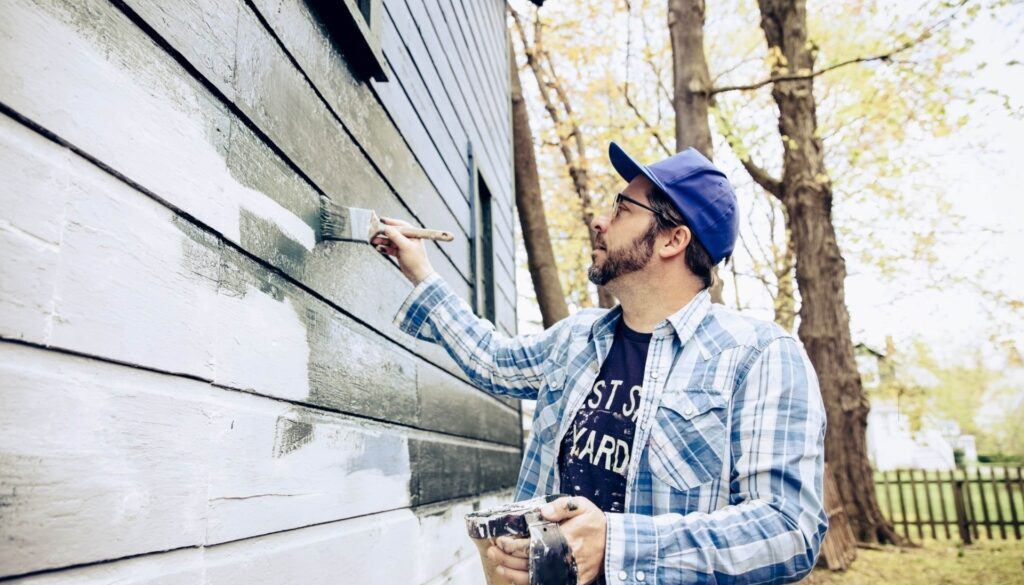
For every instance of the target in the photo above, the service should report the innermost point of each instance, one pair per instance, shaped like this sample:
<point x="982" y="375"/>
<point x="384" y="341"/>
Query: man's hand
<point x="583" y="525"/>
<point x="410" y="252"/>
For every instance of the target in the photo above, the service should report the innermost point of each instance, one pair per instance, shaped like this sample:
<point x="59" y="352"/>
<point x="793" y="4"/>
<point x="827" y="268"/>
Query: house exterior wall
<point x="193" y="387"/>
<point x="892" y="445"/>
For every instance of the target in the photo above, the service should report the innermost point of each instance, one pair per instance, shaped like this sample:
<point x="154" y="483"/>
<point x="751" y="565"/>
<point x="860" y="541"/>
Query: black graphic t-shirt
<point x="595" y="451"/>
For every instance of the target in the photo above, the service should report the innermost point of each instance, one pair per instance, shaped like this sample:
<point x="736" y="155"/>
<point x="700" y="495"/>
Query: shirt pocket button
<point x="557" y="378"/>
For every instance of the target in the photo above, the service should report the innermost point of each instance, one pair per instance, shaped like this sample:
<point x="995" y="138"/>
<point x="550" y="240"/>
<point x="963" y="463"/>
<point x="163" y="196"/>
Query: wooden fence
<point x="965" y="504"/>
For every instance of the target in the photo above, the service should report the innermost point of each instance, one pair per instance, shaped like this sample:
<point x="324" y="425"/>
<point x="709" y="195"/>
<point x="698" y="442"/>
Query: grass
<point x="996" y="562"/>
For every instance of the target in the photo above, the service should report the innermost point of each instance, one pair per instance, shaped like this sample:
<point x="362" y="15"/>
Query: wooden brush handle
<point x="411" y="232"/>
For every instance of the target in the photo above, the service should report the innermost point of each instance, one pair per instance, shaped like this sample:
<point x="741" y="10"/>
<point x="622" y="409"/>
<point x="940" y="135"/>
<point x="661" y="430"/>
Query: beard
<point x="624" y="261"/>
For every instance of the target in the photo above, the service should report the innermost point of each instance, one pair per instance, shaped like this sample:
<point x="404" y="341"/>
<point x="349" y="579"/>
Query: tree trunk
<point x="821" y="270"/>
<point x="691" y="80"/>
<point x="691" y="99"/>
<point x="785" y="293"/>
<point x="539" y="256"/>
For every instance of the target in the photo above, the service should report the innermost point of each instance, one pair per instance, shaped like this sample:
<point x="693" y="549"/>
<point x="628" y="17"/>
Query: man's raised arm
<point x="496" y="363"/>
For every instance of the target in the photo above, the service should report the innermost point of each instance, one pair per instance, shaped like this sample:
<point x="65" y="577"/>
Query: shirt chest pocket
<point x="548" y="407"/>
<point x="688" y="438"/>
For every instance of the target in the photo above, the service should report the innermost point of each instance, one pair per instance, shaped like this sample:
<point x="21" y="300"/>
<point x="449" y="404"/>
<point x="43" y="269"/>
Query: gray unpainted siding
<point x="193" y="389"/>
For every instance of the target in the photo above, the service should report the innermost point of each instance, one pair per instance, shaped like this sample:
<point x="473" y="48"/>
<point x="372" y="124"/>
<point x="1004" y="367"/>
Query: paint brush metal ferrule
<point x="338" y="222"/>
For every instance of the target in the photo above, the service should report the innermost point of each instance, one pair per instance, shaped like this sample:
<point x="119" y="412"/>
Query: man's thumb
<point x="562" y="509"/>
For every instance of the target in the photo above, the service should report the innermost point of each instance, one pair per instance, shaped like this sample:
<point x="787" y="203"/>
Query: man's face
<point x="625" y="240"/>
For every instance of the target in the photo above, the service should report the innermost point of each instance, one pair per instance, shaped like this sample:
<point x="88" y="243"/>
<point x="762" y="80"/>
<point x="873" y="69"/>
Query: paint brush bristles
<point x="353" y="224"/>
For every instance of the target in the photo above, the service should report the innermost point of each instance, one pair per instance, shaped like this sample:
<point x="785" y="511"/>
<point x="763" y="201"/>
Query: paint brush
<point x="353" y="224"/>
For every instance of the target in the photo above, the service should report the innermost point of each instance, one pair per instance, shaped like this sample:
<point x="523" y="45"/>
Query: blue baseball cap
<point x="696" y="187"/>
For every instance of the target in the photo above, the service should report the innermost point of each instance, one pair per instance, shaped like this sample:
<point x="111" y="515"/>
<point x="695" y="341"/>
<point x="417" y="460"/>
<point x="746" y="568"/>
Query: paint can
<point x="550" y="558"/>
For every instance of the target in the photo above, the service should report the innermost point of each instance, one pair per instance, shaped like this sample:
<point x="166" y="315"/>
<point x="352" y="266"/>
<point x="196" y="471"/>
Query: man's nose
<point x="600" y="223"/>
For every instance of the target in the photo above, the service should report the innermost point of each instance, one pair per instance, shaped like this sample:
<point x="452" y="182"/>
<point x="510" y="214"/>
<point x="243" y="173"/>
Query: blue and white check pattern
<point x="725" y="478"/>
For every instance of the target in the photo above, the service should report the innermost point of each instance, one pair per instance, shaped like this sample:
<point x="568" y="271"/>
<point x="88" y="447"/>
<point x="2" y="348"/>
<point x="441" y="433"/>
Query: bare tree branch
<point x="760" y="176"/>
<point x="650" y="127"/>
<point x="886" y="56"/>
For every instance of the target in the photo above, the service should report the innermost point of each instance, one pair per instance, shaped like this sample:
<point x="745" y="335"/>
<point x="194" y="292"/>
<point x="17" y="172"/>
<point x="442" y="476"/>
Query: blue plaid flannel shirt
<point x="725" y="478"/>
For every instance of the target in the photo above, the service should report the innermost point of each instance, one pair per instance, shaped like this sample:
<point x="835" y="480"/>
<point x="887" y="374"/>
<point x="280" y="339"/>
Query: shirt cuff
<point x="631" y="549"/>
<point x="426" y="295"/>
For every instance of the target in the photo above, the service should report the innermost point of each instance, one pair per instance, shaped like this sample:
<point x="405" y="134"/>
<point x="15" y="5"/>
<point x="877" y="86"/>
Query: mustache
<point x="599" y="243"/>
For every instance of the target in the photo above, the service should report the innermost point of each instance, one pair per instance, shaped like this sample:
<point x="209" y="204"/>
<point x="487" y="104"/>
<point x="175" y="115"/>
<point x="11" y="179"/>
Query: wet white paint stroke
<point x="290" y="224"/>
<point x="262" y="344"/>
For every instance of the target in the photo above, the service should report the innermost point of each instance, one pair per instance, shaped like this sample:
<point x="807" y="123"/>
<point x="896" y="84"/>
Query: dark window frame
<point x="482" y="244"/>
<point x="354" y="27"/>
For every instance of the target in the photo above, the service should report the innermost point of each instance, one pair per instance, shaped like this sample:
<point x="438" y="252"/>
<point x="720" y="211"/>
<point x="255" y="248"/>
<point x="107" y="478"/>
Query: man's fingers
<point x="515" y="577"/>
<point x="518" y="547"/>
<point x="508" y="561"/>
<point x="393" y="221"/>
<point x="512" y="555"/>
<point x="396" y="237"/>
<point x="565" y="508"/>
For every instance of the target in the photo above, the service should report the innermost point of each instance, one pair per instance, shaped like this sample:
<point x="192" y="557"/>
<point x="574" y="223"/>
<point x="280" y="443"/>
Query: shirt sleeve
<point x="496" y="363"/>
<point x="772" y="529"/>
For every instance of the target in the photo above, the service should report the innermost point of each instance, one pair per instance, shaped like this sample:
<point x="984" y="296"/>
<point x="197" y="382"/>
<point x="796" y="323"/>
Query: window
<point x="354" y="27"/>
<point x="364" y="8"/>
<point x="482" y="255"/>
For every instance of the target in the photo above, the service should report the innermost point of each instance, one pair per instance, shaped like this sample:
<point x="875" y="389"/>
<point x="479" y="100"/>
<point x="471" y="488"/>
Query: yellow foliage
<point x="872" y="118"/>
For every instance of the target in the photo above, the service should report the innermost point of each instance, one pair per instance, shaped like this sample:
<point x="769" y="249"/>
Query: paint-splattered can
<point x="550" y="558"/>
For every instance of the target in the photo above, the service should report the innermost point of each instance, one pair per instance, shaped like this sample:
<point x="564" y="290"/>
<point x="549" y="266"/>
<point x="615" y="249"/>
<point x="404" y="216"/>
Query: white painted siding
<point x="193" y="388"/>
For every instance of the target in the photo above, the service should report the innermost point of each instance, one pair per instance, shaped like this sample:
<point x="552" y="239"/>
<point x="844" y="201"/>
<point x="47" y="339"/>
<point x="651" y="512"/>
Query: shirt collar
<point x="683" y="322"/>
<point x="605" y="325"/>
<point x="686" y="320"/>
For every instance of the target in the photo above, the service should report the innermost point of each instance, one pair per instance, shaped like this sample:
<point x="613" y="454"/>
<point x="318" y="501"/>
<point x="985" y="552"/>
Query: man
<point x="690" y="437"/>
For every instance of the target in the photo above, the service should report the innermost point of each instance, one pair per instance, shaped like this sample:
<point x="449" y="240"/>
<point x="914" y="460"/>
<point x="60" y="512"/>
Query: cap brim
<point x="628" y="168"/>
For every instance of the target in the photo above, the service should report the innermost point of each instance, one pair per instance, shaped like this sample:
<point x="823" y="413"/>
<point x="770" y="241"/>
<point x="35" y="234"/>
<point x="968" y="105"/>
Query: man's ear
<point x="679" y="238"/>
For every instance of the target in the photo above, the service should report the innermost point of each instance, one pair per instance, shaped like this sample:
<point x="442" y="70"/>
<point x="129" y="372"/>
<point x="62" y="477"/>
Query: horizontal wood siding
<point x="195" y="388"/>
<point x="437" y="52"/>
<point x="418" y="545"/>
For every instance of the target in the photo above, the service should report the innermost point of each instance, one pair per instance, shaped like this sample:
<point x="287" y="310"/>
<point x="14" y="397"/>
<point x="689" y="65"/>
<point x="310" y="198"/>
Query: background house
<point x="892" y="442"/>
<point x="893" y="445"/>
<point x="193" y="387"/>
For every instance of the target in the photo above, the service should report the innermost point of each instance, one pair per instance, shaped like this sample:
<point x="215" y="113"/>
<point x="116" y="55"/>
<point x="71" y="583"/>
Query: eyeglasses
<point x="622" y="197"/>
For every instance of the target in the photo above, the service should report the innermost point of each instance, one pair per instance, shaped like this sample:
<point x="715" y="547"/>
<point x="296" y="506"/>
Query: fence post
<point x="941" y="485"/>
<point x="999" y="506"/>
<point x="1013" y="504"/>
<point x="888" y="497"/>
<point x="903" y="506"/>
<point x="984" y="506"/>
<point x="961" y="511"/>
<point x="928" y="503"/>
<point x="972" y="510"/>
<point x="917" y="511"/>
